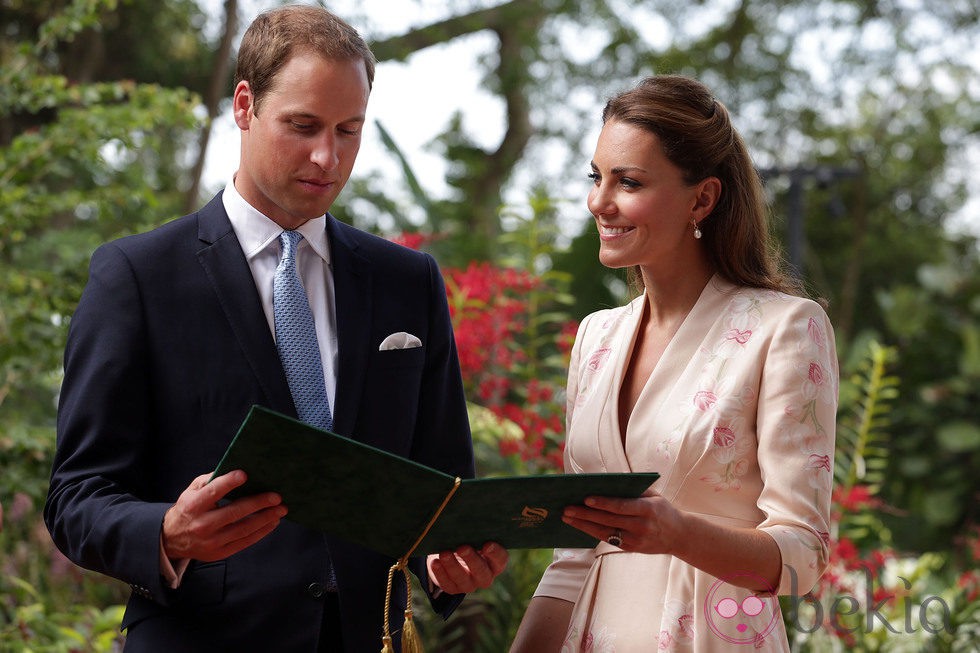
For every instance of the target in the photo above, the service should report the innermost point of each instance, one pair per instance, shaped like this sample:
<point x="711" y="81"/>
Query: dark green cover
<point x="383" y="501"/>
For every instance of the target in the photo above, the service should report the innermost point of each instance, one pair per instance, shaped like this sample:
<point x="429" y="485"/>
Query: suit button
<point x="316" y="590"/>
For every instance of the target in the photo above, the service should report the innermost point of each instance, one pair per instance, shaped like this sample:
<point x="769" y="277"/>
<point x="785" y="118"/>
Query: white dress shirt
<point x="259" y="239"/>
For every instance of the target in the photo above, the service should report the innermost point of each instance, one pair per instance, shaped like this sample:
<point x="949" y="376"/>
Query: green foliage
<point x="75" y="17"/>
<point x="862" y="432"/>
<point x="28" y="624"/>
<point x="529" y="243"/>
<point x="80" y="163"/>
<point x="861" y="455"/>
<point x="931" y="471"/>
<point x="97" y="161"/>
<point x="871" y="597"/>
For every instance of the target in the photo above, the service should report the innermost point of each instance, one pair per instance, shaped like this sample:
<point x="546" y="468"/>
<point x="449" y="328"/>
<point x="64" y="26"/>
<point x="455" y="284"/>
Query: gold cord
<point x="411" y="642"/>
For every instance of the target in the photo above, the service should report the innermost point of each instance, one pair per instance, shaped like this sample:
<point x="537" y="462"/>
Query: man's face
<point x="299" y="147"/>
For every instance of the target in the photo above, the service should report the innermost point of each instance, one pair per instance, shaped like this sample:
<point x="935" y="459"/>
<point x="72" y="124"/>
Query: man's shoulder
<point x="184" y="229"/>
<point x="377" y="249"/>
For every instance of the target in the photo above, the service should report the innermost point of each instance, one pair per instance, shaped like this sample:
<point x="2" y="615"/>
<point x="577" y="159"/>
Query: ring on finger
<point x="616" y="538"/>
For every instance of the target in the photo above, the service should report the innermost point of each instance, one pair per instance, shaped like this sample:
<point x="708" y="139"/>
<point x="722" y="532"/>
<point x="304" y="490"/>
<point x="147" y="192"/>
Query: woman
<point x="718" y="377"/>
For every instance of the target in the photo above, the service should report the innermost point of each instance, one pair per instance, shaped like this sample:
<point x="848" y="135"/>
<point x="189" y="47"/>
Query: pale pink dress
<point x="738" y="417"/>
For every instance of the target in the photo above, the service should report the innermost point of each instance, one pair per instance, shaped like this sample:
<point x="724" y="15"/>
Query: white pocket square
<point x="400" y="340"/>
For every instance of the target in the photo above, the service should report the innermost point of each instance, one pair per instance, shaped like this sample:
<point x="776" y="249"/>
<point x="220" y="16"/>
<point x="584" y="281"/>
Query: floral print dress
<point x="738" y="417"/>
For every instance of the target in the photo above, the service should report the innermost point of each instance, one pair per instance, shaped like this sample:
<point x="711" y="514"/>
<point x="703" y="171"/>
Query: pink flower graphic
<point x="704" y="399"/>
<point x="741" y="337"/>
<point x="816" y="333"/>
<point x="598" y="359"/>
<point x="817" y="375"/>
<point x="724" y="436"/>
<point x="816" y="461"/>
<point x="685" y="625"/>
<point x="818" y="382"/>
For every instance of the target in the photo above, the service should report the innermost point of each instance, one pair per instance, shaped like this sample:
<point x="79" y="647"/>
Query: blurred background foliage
<point x="861" y="115"/>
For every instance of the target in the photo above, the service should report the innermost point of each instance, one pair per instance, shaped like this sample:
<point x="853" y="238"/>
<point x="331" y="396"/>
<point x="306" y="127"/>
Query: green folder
<point x="384" y="502"/>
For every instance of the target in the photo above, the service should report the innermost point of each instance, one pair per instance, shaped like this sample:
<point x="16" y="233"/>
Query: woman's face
<point x="641" y="204"/>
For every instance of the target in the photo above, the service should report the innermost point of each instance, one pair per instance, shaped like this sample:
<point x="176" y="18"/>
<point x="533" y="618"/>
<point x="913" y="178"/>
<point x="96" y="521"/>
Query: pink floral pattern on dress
<point x="677" y="626"/>
<point x="598" y="359"/>
<point x="704" y="400"/>
<point x="818" y="388"/>
<point x="718" y="395"/>
<point x="731" y="452"/>
<point x="601" y="641"/>
<point x="816" y="333"/>
<point x="593" y="366"/>
<point x="760" y="378"/>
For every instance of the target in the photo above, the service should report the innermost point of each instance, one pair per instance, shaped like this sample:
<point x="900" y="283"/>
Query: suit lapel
<point x="352" y="288"/>
<point x="226" y="268"/>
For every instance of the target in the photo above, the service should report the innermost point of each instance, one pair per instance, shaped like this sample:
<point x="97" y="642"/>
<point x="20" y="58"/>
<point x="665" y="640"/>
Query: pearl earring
<point x="697" y="230"/>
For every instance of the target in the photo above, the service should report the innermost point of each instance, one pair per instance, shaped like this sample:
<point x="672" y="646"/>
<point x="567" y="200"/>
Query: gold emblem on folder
<point x="531" y="517"/>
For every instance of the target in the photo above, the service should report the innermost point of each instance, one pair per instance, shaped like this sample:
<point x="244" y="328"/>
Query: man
<point x="176" y="336"/>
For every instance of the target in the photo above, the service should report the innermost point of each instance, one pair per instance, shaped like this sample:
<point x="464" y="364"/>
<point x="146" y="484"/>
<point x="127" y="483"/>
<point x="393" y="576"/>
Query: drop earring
<point x="697" y="230"/>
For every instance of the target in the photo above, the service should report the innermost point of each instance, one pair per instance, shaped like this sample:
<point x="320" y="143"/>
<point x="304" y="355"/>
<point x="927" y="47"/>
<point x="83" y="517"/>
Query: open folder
<point x="385" y="502"/>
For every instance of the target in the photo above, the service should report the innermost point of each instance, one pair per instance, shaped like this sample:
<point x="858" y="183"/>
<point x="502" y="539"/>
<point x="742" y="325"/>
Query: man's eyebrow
<point x="313" y="116"/>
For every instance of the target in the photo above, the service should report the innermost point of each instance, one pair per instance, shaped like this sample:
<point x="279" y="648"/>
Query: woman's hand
<point x="747" y="556"/>
<point x="648" y="524"/>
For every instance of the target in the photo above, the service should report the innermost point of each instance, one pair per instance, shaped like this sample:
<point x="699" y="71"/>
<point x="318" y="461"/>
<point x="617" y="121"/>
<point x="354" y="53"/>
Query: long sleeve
<point x="796" y="431"/>
<point x="101" y="460"/>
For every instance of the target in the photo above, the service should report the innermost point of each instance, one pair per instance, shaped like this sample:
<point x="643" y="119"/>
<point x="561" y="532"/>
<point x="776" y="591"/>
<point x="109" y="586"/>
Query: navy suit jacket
<point x="166" y="352"/>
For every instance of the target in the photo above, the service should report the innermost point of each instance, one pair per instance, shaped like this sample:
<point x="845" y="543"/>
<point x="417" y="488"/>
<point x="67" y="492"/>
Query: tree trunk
<point x="216" y="88"/>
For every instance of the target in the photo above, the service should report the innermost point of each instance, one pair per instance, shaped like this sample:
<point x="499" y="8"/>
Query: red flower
<point x="411" y="240"/>
<point x="491" y="318"/>
<point x="855" y="498"/>
<point x="845" y="551"/>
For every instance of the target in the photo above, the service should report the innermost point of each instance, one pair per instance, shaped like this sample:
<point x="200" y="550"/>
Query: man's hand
<point x="466" y="569"/>
<point x="196" y="527"/>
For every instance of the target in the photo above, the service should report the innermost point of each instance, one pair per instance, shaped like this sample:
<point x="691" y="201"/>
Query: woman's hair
<point x="276" y="35"/>
<point x="697" y="136"/>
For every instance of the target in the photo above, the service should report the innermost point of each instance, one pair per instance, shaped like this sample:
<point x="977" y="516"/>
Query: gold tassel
<point x="411" y="641"/>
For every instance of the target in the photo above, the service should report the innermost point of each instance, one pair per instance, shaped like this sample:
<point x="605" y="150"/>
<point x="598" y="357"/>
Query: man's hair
<point x="276" y="35"/>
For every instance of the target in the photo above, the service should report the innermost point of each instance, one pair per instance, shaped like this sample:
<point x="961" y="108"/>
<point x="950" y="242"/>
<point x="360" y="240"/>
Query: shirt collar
<point x="256" y="232"/>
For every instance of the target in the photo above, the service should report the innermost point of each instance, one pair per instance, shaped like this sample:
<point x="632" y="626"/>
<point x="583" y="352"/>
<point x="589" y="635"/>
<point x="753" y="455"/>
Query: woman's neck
<point x="670" y="296"/>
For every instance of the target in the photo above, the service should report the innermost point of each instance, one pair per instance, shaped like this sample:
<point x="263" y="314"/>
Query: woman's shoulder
<point x="776" y="302"/>
<point x="610" y="318"/>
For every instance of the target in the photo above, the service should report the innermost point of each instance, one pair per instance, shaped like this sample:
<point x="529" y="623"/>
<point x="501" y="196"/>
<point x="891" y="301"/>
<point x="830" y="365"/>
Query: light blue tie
<point x="298" y="349"/>
<point x="296" y="339"/>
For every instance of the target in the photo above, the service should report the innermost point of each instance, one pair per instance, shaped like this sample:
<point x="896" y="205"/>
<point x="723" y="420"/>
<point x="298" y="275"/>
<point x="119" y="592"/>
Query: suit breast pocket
<point x="392" y="359"/>
<point x="390" y="402"/>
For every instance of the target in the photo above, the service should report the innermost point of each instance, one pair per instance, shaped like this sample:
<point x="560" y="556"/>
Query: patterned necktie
<point x="296" y="339"/>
